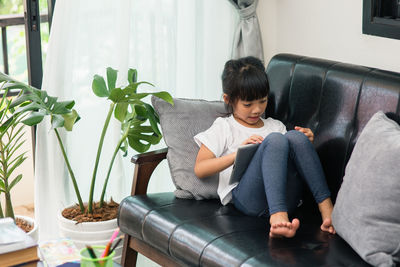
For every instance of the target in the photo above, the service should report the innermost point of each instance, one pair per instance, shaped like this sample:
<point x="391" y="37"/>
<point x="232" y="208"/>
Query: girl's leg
<point x="265" y="181"/>
<point x="309" y="166"/>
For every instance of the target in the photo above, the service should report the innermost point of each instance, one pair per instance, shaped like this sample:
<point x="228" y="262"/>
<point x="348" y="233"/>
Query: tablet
<point x="243" y="157"/>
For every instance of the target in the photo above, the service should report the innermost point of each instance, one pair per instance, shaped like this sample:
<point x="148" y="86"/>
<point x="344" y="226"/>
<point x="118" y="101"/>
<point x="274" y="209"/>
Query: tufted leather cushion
<point x="335" y="100"/>
<point x="204" y="233"/>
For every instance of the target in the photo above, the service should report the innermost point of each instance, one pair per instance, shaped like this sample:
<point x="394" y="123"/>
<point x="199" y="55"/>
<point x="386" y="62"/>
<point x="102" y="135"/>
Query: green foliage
<point x="32" y="105"/>
<point x="139" y="122"/>
<point x="129" y="109"/>
<point x="11" y="140"/>
<point x="11" y="7"/>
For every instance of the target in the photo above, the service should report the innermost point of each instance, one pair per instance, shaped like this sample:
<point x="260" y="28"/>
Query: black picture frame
<point x="381" y="18"/>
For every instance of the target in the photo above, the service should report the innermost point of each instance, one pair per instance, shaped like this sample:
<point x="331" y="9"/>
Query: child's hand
<point x="254" y="139"/>
<point x="306" y="131"/>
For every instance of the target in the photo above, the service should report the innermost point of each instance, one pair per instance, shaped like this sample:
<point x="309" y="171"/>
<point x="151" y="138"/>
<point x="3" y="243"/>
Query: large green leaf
<point x="50" y="101"/>
<point x="132" y="88"/>
<point x="63" y="107"/>
<point x="137" y="145"/>
<point x="152" y="118"/>
<point x="30" y="107"/>
<point x="10" y="86"/>
<point x="164" y="96"/>
<point x="120" y="111"/>
<point x="141" y="112"/>
<point x="111" y="78"/>
<point x="117" y="95"/>
<point x="132" y="76"/>
<point x="21" y="99"/>
<point x="99" y="86"/>
<point x="137" y="135"/>
<point x="141" y="129"/>
<point x="34" y="118"/>
<point x="137" y="96"/>
<point x="57" y="121"/>
<point x="70" y="119"/>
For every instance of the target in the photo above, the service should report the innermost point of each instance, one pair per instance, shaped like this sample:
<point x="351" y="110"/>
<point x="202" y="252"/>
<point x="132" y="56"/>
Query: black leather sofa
<point x="335" y="100"/>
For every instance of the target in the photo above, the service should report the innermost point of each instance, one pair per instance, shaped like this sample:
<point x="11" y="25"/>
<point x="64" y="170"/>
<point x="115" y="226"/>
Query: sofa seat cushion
<point x="206" y="233"/>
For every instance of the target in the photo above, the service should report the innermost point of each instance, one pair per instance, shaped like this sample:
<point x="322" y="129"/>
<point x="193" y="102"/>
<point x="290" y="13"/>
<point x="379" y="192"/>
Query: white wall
<point x="326" y="29"/>
<point x="23" y="192"/>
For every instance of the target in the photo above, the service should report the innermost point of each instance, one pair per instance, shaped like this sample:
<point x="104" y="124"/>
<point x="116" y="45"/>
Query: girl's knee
<point x="275" y="139"/>
<point x="296" y="137"/>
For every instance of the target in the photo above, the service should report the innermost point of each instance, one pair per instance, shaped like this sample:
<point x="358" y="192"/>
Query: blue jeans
<point x="272" y="183"/>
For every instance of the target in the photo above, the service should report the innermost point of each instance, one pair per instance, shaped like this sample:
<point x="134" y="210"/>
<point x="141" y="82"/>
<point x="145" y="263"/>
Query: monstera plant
<point x="138" y="120"/>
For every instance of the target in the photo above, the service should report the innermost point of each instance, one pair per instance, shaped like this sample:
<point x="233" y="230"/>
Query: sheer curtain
<point x="178" y="45"/>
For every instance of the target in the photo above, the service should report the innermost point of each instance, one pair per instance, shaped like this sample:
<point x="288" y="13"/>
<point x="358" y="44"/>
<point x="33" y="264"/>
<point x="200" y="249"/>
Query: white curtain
<point x="178" y="45"/>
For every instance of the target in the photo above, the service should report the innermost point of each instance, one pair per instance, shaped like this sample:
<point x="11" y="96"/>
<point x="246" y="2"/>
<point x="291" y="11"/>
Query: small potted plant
<point x="139" y="130"/>
<point x="11" y="156"/>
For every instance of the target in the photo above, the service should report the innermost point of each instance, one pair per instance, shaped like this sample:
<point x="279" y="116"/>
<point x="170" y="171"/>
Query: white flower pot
<point x="89" y="233"/>
<point x="34" y="233"/>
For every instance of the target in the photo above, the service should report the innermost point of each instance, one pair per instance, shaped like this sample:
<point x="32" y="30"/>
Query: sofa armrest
<point x="145" y="164"/>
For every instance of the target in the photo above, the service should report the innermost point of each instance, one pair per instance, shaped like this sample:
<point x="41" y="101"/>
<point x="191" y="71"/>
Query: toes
<point x="296" y="223"/>
<point x="327" y="226"/>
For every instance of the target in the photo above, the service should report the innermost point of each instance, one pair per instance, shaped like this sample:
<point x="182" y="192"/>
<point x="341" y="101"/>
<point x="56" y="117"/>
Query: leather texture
<point x="335" y="100"/>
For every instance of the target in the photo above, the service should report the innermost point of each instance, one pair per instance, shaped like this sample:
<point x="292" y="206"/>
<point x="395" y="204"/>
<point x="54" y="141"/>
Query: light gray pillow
<point x="179" y="123"/>
<point x="367" y="209"/>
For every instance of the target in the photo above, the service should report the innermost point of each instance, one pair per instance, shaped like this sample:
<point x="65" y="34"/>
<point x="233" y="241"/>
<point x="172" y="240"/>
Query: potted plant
<point x="126" y="106"/>
<point x="11" y="157"/>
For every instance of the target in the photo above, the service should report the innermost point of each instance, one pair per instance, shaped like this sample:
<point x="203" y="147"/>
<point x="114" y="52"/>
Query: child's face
<point x="248" y="113"/>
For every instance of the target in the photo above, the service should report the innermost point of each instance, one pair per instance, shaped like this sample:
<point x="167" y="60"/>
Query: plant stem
<point x="9" y="207"/>
<point x="71" y="173"/>
<point x="1" y="211"/>
<point x="4" y="169"/>
<point x="9" y="212"/>
<point x="103" y="133"/>
<point x="125" y="134"/>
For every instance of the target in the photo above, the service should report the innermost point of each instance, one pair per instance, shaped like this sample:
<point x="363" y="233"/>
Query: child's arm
<point x="207" y="164"/>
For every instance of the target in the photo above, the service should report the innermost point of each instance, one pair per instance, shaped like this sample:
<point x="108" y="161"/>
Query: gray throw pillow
<point x="367" y="209"/>
<point x="179" y="123"/>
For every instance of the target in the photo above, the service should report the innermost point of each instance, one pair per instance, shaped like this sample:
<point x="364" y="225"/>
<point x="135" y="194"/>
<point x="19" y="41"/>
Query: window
<point x="382" y="18"/>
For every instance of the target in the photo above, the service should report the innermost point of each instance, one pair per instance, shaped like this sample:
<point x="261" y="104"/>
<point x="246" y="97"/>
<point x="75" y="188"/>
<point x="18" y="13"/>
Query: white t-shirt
<point x="224" y="137"/>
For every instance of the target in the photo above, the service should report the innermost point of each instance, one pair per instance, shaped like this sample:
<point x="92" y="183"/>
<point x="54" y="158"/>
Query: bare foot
<point x="281" y="226"/>
<point x="327" y="226"/>
<point x="326" y="208"/>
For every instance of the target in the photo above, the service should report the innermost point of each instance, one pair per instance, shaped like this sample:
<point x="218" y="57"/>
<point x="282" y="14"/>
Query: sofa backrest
<point x="334" y="99"/>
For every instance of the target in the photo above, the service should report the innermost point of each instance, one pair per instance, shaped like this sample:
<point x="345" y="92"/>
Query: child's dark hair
<point x="244" y="79"/>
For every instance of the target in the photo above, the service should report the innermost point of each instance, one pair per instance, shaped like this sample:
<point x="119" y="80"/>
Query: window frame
<point x="378" y="26"/>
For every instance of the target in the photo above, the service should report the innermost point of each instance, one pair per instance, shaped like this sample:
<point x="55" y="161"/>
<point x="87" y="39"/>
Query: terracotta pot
<point x="89" y="233"/>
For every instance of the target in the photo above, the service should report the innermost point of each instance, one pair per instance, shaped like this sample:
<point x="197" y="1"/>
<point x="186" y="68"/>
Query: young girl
<point x="269" y="185"/>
